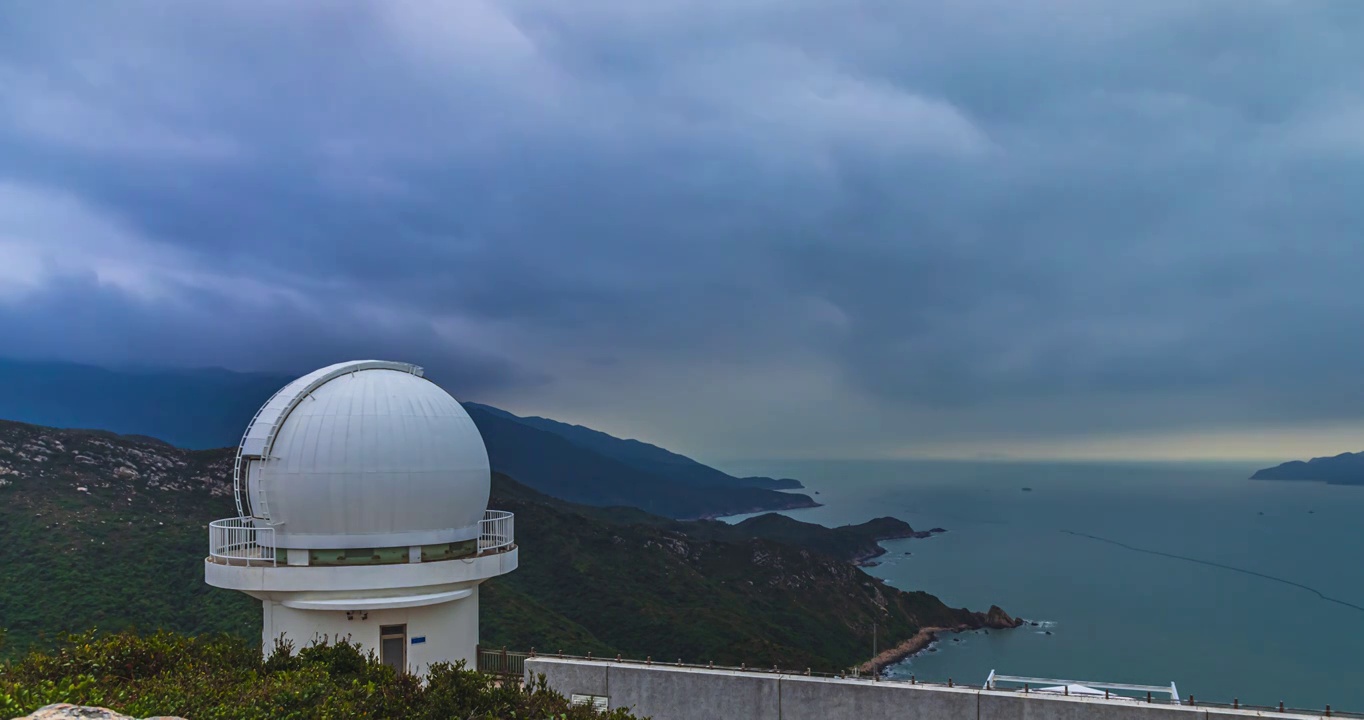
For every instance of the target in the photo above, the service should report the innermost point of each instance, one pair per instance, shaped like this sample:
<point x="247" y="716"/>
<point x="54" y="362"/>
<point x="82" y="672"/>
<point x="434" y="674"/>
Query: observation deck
<point x="246" y="541"/>
<point x="242" y="558"/>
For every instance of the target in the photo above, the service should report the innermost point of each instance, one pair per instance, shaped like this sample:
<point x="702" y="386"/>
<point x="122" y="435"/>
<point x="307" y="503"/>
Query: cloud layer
<point x="743" y="228"/>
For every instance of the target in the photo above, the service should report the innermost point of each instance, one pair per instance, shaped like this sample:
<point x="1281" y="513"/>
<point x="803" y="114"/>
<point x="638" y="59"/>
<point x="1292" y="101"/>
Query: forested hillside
<point x="109" y="531"/>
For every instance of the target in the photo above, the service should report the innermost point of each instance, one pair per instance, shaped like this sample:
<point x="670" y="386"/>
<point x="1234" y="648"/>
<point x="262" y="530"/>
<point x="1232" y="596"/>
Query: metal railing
<point x="1034" y="684"/>
<point x="519" y="659"/>
<point x="496" y="531"/>
<point x="238" y="541"/>
<point x="502" y="662"/>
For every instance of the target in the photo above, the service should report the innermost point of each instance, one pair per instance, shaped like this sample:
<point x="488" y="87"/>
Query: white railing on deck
<point x="237" y="541"/>
<point x="1039" y="685"/>
<point x="496" y="531"/>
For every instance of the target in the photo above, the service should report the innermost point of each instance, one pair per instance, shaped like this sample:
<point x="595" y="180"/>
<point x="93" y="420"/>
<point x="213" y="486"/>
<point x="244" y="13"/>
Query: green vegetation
<point x="98" y="530"/>
<point x="126" y="550"/>
<point x="854" y="543"/>
<point x="626" y="582"/>
<point x="221" y="676"/>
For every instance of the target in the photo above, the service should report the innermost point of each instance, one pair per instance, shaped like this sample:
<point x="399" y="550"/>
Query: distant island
<point x="1343" y="469"/>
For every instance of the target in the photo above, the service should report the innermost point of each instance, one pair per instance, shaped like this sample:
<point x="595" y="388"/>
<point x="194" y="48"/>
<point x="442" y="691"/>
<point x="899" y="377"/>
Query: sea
<point x="1144" y="573"/>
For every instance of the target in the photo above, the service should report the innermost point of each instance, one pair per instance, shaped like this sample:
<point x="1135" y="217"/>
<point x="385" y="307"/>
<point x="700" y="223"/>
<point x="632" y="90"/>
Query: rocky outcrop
<point x="912" y="646"/>
<point x="110" y="466"/>
<point x="67" y="711"/>
<point x="995" y="617"/>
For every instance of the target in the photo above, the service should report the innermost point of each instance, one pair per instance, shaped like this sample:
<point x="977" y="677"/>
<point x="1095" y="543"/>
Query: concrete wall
<point x="666" y="692"/>
<point x="450" y="629"/>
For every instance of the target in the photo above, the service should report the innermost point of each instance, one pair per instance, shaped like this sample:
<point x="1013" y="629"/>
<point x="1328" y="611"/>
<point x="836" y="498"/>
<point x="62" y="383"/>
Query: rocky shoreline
<point x="995" y="619"/>
<point x="867" y="559"/>
<point x="794" y="505"/>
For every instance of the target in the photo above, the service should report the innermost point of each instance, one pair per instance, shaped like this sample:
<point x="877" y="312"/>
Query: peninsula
<point x="1342" y="469"/>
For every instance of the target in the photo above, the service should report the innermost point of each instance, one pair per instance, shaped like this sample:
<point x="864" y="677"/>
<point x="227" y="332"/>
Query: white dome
<point x="365" y="455"/>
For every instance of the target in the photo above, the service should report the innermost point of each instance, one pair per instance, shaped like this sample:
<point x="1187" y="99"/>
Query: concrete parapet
<point x="571" y="677"/>
<point x="1229" y="714"/>
<point x="698" y="694"/>
<point x="997" y="705"/>
<point x="812" y="698"/>
<point x="668" y="692"/>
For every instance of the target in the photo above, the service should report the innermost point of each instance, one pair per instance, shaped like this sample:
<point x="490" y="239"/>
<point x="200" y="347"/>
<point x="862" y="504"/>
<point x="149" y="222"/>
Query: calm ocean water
<point x="1123" y="614"/>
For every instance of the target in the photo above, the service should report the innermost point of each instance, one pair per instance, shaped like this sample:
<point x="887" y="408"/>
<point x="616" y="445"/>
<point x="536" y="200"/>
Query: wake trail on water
<point x="1209" y="563"/>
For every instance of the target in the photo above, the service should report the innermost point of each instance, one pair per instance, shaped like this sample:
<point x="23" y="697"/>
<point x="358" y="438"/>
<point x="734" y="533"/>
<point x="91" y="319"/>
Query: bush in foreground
<point x="212" y="677"/>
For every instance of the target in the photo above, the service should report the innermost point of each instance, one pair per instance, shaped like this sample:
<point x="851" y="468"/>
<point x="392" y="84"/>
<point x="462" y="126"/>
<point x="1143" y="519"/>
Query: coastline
<point x="755" y="510"/>
<point x="994" y="619"/>
<point x="916" y="644"/>
<point x="868" y="559"/>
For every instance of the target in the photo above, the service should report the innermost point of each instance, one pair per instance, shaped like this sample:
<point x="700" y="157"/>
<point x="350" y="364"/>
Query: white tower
<point x="362" y="502"/>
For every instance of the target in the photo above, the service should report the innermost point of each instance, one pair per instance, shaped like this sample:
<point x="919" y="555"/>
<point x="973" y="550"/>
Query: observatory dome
<point x="366" y="454"/>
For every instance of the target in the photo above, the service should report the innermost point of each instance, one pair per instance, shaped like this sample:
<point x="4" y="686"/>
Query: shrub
<point x="224" y="677"/>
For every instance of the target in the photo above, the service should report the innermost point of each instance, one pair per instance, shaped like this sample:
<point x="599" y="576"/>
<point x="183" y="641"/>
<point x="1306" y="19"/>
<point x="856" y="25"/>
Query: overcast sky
<point x="739" y="228"/>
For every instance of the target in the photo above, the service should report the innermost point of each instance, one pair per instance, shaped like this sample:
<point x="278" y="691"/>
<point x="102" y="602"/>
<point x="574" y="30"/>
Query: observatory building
<point x="362" y="512"/>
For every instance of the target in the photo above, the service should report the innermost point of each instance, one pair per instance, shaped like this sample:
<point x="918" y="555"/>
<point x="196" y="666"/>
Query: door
<point x="393" y="647"/>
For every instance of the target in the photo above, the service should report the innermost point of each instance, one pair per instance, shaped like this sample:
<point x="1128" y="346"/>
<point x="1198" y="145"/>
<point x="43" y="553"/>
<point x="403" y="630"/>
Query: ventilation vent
<point x="598" y="702"/>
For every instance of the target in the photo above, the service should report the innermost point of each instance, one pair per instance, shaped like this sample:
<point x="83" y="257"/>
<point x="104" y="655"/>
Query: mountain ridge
<point x="133" y="514"/>
<point x="208" y="409"/>
<point x="1343" y="469"/>
<point x="548" y="462"/>
<point x="640" y="454"/>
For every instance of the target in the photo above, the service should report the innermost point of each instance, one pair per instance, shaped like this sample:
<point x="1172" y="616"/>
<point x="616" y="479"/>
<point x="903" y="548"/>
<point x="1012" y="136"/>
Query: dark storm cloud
<point x="1077" y="218"/>
<point x="76" y="316"/>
